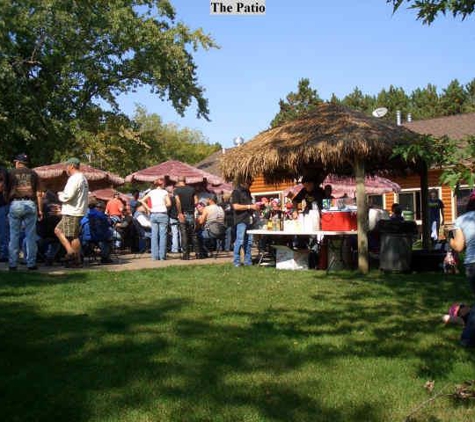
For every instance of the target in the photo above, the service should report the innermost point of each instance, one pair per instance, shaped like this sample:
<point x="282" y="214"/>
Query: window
<point x="376" y="201"/>
<point x="411" y="201"/>
<point x="462" y="200"/>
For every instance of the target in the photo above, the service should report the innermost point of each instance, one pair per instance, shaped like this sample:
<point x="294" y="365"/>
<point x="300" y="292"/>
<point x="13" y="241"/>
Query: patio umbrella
<point x="54" y="177"/>
<point x="108" y="193"/>
<point x="331" y="139"/>
<point x="173" y="170"/>
<point x="374" y="185"/>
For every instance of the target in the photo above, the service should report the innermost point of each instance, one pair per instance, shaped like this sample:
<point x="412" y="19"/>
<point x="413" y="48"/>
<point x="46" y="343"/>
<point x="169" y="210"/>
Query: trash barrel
<point x="395" y="251"/>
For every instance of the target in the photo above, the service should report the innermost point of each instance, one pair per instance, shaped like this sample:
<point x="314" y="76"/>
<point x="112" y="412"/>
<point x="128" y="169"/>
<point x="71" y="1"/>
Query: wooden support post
<point x="362" y="217"/>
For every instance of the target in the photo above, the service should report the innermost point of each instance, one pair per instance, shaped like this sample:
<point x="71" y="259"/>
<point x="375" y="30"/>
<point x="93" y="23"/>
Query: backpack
<point x="217" y="229"/>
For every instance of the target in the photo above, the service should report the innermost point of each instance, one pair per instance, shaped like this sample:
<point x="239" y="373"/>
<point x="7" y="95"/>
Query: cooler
<point x="338" y="220"/>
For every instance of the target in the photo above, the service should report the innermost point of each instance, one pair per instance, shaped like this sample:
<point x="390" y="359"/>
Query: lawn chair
<point x="142" y="237"/>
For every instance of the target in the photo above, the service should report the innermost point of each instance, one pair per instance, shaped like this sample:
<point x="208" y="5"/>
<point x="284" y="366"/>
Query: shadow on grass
<point x="157" y="359"/>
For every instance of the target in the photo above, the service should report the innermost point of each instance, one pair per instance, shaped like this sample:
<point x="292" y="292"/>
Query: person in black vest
<point x="25" y="208"/>
<point x="185" y="203"/>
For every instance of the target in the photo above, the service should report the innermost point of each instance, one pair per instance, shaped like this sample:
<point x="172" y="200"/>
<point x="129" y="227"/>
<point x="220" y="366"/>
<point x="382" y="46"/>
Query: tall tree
<point x="425" y="103"/>
<point x="453" y="98"/>
<point x="470" y="101"/>
<point x="356" y="100"/>
<point x="297" y="103"/>
<point x="61" y="59"/>
<point x="393" y="99"/>
<point x="427" y="10"/>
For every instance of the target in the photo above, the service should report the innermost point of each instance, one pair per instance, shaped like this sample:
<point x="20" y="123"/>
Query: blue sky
<point x="337" y="44"/>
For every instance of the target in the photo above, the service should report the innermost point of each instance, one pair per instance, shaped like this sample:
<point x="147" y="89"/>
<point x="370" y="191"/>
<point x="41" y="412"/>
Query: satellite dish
<point x="380" y="112"/>
<point x="238" y="141"/>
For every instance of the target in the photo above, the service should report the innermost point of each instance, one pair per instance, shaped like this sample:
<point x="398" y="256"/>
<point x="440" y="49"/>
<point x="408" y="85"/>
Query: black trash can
<point x="395" y="251"/>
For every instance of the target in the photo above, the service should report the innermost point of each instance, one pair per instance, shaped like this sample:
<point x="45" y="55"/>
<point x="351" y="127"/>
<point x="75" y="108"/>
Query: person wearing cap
<point x="463" y="238"/>
<point x="25" y="208"/>
<point x="158" y="210"/>
<point x="74" y="199"/>
<point x="458" y="314"/>
<point x="311" y="193"/>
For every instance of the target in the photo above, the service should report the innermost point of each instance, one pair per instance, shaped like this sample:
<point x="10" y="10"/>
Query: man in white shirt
<point x="74" y="200"/>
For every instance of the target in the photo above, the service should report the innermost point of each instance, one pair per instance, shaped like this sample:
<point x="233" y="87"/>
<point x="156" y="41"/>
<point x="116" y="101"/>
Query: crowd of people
<point x="70" y="225"/>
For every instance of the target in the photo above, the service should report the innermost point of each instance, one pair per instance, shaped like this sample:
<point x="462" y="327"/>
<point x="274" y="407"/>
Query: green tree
<point x="453" y="98"/>
<point x="296" y="104"/>
<point x="356" y="100"/>
<point x="62" y="60"/>
<point x="427" y="10"/>
<point x="393" y="99"/>
<point x="425" y="102"/>
<point x="161" y="142"/>
<point x="470" y="100"/>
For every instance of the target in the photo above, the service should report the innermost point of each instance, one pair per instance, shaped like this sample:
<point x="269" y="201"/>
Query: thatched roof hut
<point x="328" y="140"/>
<point x="331" y="139"/>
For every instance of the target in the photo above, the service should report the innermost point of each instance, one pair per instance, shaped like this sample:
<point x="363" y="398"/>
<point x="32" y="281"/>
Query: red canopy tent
<point x="54" y="177"/>
<point x="108" y="193"/>
<point x="374" y="185"/>
<point x="172" y="170"/>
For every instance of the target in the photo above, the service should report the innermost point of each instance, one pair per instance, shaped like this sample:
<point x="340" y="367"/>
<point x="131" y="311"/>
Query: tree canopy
<point x="422" y="103"/>
<point x="124" y="145"/>
<point x="297" y="103"/>
<point x="427" y="10"/>
<point x="63" y="63"/>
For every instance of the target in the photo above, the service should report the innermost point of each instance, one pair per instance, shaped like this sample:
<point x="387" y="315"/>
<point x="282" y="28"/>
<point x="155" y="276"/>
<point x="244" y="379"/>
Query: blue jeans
<point x="228" y="239"/>
<point x="243" y="240"/>
<point x="175" y="233"/>
<point x="159" y="222"/>
<point x="470" y="274"/>
<point x="4" y="236"/>
<point x="22" y="211"/>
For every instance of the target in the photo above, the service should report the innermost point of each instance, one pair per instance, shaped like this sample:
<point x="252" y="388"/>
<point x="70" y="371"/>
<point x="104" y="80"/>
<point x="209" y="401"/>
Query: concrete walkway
<point x="128" y="262"/>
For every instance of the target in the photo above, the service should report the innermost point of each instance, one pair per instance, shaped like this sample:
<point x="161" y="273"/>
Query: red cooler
<point x="338" y="220"/>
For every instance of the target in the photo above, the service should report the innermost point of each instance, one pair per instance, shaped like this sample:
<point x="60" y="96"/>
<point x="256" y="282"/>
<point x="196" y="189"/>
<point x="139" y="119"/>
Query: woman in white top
<point x="160" y="201"/>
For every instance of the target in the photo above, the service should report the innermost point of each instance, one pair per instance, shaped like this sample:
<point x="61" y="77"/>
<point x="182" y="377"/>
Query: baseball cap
<point x="73" y="160"/>
<point x="22" y="158"/>
<point x="454" y="309"/>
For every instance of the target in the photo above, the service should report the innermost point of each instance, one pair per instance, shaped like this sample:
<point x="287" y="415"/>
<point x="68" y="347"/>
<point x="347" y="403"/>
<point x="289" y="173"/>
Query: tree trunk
<point x="363" y="264"/>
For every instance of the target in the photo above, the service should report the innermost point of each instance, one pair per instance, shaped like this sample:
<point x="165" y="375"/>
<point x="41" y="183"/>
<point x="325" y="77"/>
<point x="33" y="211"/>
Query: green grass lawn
<point x="215" y="343"/>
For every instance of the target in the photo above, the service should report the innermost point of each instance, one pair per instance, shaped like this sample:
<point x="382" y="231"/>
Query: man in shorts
<point x="74" y="199"/>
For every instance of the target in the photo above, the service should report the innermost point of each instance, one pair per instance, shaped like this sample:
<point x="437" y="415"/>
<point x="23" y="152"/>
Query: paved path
<point x="129" y="262"/>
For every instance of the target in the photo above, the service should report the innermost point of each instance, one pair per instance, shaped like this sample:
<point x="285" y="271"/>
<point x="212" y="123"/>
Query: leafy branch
<point x="464" y="391"/>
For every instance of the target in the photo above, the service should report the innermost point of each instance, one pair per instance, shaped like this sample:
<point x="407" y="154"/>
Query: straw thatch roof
<point x="172" y="170"/>
<point x="328" y="140"/>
